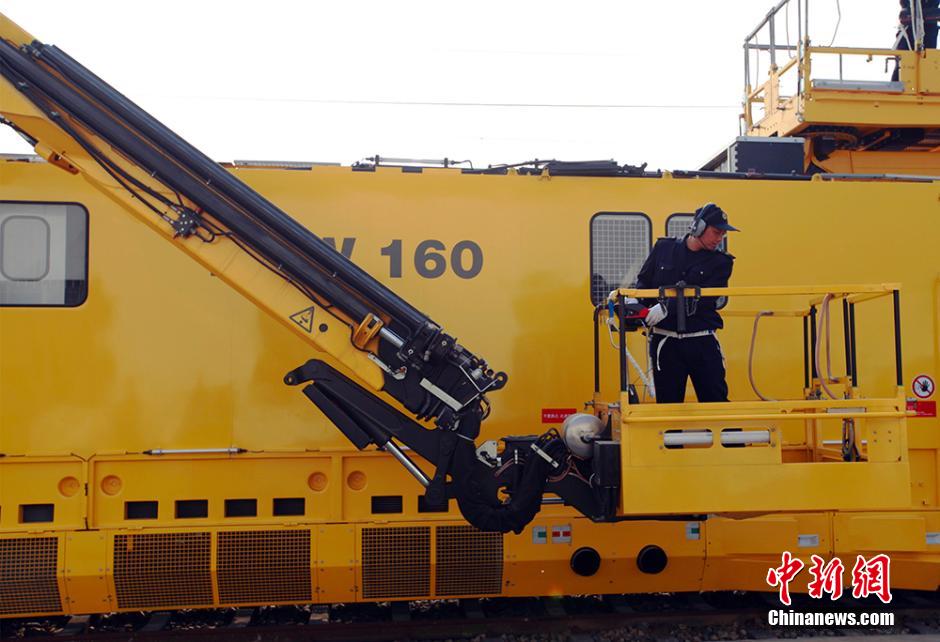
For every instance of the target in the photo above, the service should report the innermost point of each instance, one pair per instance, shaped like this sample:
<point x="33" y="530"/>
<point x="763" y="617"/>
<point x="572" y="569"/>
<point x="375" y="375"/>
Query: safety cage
<point x="832" y="449"/>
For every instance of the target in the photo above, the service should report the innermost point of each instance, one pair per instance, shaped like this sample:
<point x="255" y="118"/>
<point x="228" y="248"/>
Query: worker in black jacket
<point x="697" y="260"/>
<point x="929" y="12"/>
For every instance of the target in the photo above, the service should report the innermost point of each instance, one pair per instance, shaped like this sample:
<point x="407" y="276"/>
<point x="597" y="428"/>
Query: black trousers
<point x="695" y="357"/>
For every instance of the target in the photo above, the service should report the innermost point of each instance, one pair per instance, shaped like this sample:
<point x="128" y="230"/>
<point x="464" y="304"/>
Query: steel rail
<point x="685" y="611"/>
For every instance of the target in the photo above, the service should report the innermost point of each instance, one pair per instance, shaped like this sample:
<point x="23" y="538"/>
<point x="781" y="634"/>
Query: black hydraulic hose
<point x="805" y="354"/>
<point x="481" y="510"/>
<point x="854" y="357"/>
<point x="253" y="234"/>
<point x="847" y="336"/>
<point x="597" y="374"/>
<point x="621" y="330"/>
<point x="899" y="371"/>
<point x="205" y="168"/>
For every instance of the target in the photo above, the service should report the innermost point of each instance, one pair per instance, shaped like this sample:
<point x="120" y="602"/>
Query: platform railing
<point x="831" y="450"/>
<point x="791" y="63"/>
<point x="848" y="295"/>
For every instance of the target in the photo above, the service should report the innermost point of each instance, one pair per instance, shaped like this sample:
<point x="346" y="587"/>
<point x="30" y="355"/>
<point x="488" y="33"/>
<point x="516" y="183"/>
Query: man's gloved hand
<point x="656" y="314"/>
<point x="612" y="297"/>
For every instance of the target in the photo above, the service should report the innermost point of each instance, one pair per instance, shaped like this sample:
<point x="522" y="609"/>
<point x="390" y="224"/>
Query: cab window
<point x="620" y="242"/>
<point x="43" y="254"/>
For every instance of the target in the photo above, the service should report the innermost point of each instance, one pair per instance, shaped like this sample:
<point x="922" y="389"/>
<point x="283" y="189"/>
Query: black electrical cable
<point x="42" y="102"/>
<point x="263" y="211"/>
<point x="216" y="231"/>
<point x="257" y="227"/>
<point x="207" y="196"/>
<point x="117" y="172"/>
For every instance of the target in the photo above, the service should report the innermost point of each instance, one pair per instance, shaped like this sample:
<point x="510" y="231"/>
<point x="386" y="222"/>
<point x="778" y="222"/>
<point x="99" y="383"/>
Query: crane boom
<point x="79" y="122"/>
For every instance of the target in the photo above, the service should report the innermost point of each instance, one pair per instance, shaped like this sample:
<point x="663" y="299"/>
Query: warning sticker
<point x="539" y="535"/>
<point x="561" y="534"/>
<point x="923" y="386"/>
<point x="556" y="415"/>
<point x="922" y="408"/>
<point x="304" y="319"/>
<point x="693" y="530"/>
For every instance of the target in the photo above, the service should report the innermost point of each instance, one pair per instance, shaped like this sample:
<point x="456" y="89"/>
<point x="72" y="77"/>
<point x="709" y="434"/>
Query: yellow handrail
<point x="838" y="290"/>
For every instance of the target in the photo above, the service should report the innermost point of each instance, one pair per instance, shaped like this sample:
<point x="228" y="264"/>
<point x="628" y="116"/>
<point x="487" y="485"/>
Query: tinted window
<point x="43" y="254"/>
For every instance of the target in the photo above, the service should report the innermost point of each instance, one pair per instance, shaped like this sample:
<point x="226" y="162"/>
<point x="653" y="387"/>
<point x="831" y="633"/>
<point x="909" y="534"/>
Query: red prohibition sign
<point x="923" y="386"/>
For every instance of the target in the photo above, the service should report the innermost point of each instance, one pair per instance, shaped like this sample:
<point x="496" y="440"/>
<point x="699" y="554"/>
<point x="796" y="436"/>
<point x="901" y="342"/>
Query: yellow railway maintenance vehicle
<point x="153" y="457"/>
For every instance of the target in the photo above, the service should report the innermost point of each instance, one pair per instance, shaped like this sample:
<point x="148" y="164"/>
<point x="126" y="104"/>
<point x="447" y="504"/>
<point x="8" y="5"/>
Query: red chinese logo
<point x="869" y="577"/>
<point x="781" y="576"/>
<point x="872" y="577"/>
<point x="827" y="578"/>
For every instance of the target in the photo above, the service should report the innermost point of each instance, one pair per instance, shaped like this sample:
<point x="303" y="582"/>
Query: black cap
<point x="715" y="217"/>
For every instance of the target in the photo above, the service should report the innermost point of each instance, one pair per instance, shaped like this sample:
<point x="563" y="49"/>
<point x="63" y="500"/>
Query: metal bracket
<point x="488" y="453"/>
<point x="366" y="331"/>
<point x="185" y="224"/>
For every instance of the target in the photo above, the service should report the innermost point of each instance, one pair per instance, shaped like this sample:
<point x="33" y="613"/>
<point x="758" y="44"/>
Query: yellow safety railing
<point x="791" y="65"/>
<point x="839" y="453"/>
<point x="849" y="295"/>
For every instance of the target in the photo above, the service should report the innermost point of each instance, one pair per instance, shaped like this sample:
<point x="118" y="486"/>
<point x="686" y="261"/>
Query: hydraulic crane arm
<point x="80" y="123"/>
<point x="437" y="377"/>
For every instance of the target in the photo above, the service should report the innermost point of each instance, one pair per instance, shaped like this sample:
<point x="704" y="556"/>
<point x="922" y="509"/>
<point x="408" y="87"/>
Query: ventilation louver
<point x="264" y="566"/>
<point x="469" y="561"/>
<point x="28" y="575"/>
<point x="162" y="570"/>
<point x="396" y="562"/>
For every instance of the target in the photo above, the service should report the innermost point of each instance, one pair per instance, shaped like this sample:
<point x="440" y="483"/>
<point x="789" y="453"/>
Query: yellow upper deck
<point x="811" y="89"/>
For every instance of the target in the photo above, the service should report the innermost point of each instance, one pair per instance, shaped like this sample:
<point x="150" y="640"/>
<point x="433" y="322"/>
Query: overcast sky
<point x="494" y="82"/>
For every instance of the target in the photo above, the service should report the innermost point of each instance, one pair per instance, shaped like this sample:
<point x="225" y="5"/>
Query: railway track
<point x="681" y="616"/>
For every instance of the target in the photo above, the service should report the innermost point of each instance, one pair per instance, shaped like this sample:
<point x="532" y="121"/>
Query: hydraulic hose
<point x="750" y="356"/>
<point x="210" y="172"/>
<point x="143" y="154"/>
<point x="645" y="377"/>
<point x="480" y="511"/>
<point x="824" y="318"/>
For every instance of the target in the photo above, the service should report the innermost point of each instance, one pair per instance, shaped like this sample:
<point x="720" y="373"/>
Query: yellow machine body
<point x="162" y="355"/>
<point x="152" y="457"/>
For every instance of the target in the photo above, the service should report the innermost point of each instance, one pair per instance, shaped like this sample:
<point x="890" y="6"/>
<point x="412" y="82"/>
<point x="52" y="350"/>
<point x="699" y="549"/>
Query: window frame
<point x="87" y="248"/>
<point x="649" y="227"/>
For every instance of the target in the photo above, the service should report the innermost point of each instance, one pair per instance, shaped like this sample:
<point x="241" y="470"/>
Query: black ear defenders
<point x="698" y="224"/>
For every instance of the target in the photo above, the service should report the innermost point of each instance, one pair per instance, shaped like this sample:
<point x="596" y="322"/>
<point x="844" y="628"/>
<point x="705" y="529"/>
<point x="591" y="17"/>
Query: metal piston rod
<point x="404" y="460"/>
<point x="706" y="438"/>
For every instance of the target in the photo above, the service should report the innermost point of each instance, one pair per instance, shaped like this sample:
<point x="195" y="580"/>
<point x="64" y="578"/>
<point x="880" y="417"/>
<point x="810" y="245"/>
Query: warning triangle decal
<point x="304" y="319"/>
